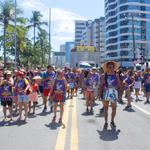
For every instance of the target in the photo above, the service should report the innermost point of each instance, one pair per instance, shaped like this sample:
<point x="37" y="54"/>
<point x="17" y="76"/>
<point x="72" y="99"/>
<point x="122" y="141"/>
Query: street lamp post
<point x="49" y="60"/>
<point x="15" y="34"/>
<point x="133" y="36"/>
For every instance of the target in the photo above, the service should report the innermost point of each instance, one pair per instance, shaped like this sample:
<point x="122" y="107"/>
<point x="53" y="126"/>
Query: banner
<point x="86" y="48"/>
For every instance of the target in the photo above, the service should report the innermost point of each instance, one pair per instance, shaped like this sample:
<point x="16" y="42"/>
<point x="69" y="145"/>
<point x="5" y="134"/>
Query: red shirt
<point x="34" y="87"/>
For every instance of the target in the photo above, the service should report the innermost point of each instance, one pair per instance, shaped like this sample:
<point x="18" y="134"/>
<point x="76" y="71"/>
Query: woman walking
<point x="58" y="94"/>
<point x="6" y="88"/>
<point x="128" y="86"/>
<point x="22" y="86"/>
<point x="109" y="90"/>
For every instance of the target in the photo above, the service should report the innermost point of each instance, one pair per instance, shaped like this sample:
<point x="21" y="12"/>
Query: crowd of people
<point x="20" y="89"/>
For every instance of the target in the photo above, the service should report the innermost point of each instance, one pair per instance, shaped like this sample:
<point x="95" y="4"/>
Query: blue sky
<point x="64" y="12"/>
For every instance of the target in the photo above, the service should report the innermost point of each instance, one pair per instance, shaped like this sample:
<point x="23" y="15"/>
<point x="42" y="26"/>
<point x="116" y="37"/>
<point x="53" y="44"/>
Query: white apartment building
<point x="87" y="34"/>
<point x="98" y="36"/>
<point x="127" y="31"/>
<point x="91" y="33"/>
<point x="80" y="26"/>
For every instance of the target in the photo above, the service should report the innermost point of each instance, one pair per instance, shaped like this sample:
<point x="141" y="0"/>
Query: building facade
<point x="80" y="26"/>
<point x="127" y="31"/>
<point x="91" y="33"/>
<point x="68" y="47"/>
<point x="87" y="34"/>
<point x="98" y="36"/>
<point x="77" y="57"/>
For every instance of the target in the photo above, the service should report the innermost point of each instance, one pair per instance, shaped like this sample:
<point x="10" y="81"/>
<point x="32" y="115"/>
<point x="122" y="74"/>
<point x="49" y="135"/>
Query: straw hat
<point x="37" y="78"/>
<point x="94" y="68"/>
<point x="105" y="65"/>
<point x="8" y="72"/>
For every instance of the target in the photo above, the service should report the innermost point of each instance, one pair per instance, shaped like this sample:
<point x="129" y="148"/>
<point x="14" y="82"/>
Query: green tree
<point x="7" y="8"/>
<point x="43" y="42"/>
<point x="36" y="22"/>
<point x="21" y="35"/>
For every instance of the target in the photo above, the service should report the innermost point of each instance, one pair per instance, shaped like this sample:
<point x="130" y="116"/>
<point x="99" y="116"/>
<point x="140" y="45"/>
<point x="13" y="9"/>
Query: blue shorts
<point x="41" y="89"/>
<point x="147" y="88"/>
<point x="71" y="85"/>
<point x="23" y="98"/>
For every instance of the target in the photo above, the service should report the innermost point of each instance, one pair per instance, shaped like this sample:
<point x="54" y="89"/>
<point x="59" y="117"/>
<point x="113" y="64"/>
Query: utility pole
<point x="133" y="36"/>
<point x="49" y="60"/>
<point x="15" y="34"/>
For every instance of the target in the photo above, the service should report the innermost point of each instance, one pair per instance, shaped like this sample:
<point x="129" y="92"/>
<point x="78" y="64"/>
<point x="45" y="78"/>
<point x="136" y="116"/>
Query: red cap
<point x="19" y="73"/>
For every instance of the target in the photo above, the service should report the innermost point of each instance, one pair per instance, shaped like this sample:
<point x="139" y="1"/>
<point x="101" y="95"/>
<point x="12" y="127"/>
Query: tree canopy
<point x="31" y="49"/>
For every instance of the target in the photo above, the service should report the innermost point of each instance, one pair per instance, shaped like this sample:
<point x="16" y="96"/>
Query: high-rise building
<point x="94" y="35"/>
<point x="80" y="26"/>
<point x="98" y="36"/>
<point x="87" y="34"/>
<point x="127" y="30"/>
<point x="68" y="47"/>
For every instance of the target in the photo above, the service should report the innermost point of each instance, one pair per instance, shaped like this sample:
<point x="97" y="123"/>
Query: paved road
<point x="81" y="130"/>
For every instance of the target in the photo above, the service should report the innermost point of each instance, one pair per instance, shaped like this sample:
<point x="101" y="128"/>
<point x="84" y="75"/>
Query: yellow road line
<point x="61" y="139"/>
<point x="74" y="128"/>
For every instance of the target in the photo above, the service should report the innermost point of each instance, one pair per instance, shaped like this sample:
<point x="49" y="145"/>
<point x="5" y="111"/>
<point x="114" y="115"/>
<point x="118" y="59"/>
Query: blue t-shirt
<point x="5" y="90"/>
<point x="51" y="76"/>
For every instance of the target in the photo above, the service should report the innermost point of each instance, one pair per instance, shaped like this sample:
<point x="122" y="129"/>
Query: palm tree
<point x="21" y="34"/>
<point x="42" y="37"/>
<point x="36" y="23"/>
<point x="6" y="15"/>
<point x="7" y="9"/>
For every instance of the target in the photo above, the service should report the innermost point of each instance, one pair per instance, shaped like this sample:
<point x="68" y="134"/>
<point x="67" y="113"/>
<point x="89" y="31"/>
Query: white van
<point x="87" y="64"/>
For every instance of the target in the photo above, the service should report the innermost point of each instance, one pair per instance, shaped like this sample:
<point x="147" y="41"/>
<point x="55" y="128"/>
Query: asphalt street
<point x="81" y="130"/>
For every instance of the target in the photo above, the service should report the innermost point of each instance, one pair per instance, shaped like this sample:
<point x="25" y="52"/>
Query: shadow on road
<point x="129" y="110"/>
<point x="87" y="114"/>
<point x="31" y="115"/>
<point x="44" y="113"/>
<point x="53" y="125"/>
<point x="108" y="135"/>
<point x="12" y="123"/>
<point x="100" y="115"/>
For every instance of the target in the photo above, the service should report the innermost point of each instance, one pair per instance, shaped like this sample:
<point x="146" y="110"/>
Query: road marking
<point x="74" y="128"/>
<point x="141" y="109"/>
<point x="61" y="139"/>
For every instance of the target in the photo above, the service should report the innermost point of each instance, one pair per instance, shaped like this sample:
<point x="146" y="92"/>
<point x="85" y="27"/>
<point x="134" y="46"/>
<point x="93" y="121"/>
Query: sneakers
<point x="54" y="119"/>
<point x="91" y="110"/>
<point x="105" y="126"/>
<point x="127" y="107"/>
<point x="51" y="109"/>
<point x="121" y="102"/>
<point x="147" y="102"/>
<point x="60" y="121"/>
<point x="112" y="124"/>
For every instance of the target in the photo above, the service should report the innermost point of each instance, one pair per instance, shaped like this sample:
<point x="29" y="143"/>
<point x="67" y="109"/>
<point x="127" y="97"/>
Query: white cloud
<point x="62" y="20"/>
<point x="28" y="4"/>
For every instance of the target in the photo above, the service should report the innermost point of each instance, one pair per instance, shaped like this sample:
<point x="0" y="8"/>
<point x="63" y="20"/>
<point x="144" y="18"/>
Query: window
<point x="124" y="53"/>
<point x="113" y="54"/>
